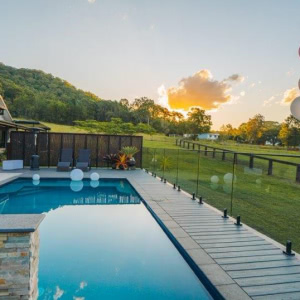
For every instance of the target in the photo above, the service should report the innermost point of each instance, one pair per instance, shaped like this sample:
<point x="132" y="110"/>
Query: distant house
<point x="7" y="124"/>
<point x="208" y="136"/>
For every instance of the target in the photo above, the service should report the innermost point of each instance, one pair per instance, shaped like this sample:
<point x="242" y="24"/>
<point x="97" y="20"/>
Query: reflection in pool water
<point x="89" y="250"/>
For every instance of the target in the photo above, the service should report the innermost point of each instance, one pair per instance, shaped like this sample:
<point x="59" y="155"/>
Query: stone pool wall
<point x="19" y="257"/>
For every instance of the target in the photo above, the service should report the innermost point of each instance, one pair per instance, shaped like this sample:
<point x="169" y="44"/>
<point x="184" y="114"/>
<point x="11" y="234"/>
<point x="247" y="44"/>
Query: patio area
<point x="239" y="262"/>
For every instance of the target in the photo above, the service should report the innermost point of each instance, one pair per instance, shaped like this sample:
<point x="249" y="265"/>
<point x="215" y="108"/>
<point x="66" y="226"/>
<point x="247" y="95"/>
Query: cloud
<point x="58" y="293"/>
<point x="91" y="1"/>
<point x="236" y="77"/>
<point x="200" y="90"/>
<point x="289" y="96"/>
<point x="268" y="101"/>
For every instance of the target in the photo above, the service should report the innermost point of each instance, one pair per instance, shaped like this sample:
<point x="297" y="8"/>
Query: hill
<point x="33" y="94"/>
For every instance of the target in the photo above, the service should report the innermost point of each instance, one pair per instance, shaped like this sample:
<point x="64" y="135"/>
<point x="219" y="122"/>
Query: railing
<point x="270" y="204"/>
<point x="248" y="158"/>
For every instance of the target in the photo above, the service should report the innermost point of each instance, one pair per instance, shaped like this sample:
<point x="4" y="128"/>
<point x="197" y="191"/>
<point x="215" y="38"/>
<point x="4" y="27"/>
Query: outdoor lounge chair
<point x="84" y="162"/>
<point x="66" y="160"/>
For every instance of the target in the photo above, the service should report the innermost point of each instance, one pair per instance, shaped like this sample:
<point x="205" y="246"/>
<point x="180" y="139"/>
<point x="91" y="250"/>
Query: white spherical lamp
<point x="214" y="179"/>
<point x="94" y="176"/>
<point x="295" y="108"/>
<point x="94" y="183"/>
<point x="76" y="175"/>
<point x="36" y="177"/>
<point x="76" y="185"/>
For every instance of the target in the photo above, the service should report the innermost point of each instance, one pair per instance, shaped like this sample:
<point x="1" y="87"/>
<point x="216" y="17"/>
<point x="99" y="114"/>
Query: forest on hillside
<point x="33" y="94"/>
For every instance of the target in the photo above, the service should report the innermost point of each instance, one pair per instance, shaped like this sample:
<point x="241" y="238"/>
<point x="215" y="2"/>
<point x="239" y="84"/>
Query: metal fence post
<point x="251" y="161"/>
<point x="232" y="182"/>
<point x="177" y="167"/>
<point x="198" y="169"/>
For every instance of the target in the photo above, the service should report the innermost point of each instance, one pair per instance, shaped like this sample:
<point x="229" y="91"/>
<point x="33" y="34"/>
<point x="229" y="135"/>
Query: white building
<point x="208" y="136"/>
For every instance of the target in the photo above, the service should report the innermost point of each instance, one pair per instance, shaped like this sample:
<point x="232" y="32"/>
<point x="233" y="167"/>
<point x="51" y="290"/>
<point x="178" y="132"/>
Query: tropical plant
<point x="122" y="162"/>
<point x="111" y="159"/>
<point x="129" y="151"/>
<point x="165" y="163"/>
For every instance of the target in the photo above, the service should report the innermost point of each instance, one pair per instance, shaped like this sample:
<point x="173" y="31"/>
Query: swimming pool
<point x="99" y="241"/>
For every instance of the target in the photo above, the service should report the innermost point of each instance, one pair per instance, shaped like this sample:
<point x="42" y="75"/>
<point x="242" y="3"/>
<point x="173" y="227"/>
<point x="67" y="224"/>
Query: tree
<point x="255" y="128"/>
<point x="198" y="121"/>
<point x="290" y="132"/>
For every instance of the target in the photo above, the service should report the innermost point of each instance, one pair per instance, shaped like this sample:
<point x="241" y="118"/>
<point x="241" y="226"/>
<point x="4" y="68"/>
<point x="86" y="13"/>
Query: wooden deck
<point x="240" y="262"/>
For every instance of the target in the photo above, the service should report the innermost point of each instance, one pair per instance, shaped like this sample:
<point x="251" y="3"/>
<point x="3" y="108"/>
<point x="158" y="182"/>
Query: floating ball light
<point x="76" y="186"/>
<point x="295" y="108"/>
<point x="214" y="179"/>
<point x="94" y="176"/>
<point x="36" y="177"/>
<point x="76" y="175"/>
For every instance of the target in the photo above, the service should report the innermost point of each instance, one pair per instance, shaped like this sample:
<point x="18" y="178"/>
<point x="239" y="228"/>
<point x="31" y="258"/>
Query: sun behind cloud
<point x="200" y="90"/>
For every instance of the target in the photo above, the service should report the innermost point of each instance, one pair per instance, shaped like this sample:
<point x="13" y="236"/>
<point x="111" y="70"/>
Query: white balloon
<point x="35" y="182"/>
<point x="76" y="186"/>
<point x="36" y="177"/>
<point x="94" y="183"/>
<point x="295" y="108"/>
<point x="76" y="175"/>
<point x="94" y="176"/>
<point x="228" y="178"/>
<point x="214" y="179"/>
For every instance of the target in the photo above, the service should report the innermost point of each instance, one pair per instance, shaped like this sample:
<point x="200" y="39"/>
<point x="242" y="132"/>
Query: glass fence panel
<point x="268" y="203"/>
<point x="215" y="179"/>
<point x="171" y="165"/>
<point x="187" y="170"/>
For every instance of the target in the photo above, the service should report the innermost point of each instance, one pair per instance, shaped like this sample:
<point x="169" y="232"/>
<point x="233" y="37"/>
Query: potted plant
<point x="130" y="151"/>
<point x="111" y="160"/>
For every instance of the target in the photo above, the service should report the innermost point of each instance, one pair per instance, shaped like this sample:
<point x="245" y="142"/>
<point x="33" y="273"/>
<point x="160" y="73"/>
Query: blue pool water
<point x="100" y="242"/>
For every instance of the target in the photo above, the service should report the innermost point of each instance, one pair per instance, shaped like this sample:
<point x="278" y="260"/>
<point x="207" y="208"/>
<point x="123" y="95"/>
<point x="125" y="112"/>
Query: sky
<point x="234" y="58"/>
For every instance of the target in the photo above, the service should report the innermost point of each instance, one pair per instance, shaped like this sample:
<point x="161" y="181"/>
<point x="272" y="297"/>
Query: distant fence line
<point x="48" y="145"/>
<point x="210" y="149"/>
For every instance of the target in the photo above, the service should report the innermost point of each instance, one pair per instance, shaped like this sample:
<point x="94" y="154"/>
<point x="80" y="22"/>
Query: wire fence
<point x="267" y="202"/>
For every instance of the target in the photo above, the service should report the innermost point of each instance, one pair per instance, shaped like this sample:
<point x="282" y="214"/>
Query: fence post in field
<point x="176" y="142"/>
<point x="251" y="161"/>
<point x="193" y="146"/>
<point x="298" y="174"/>
<point x="270" y="168"/>
<point x="189" y="145"/>
<point x="205" y="152"/>
<point x="199" y="147"/>
<point x="223" y="155"/>
<point x="214" y="153"/>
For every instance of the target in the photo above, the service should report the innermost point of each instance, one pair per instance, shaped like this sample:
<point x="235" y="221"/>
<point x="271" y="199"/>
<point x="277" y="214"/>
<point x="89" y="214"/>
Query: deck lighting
<point x="194" y="196"/>
<point x="200" y="200"/>
<point x="76" y="175"/>
<point x="36" y="177"/>
<point x="179" y="188"/>
<point x="94" y="176"/>
<point x="174" y="186"/>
